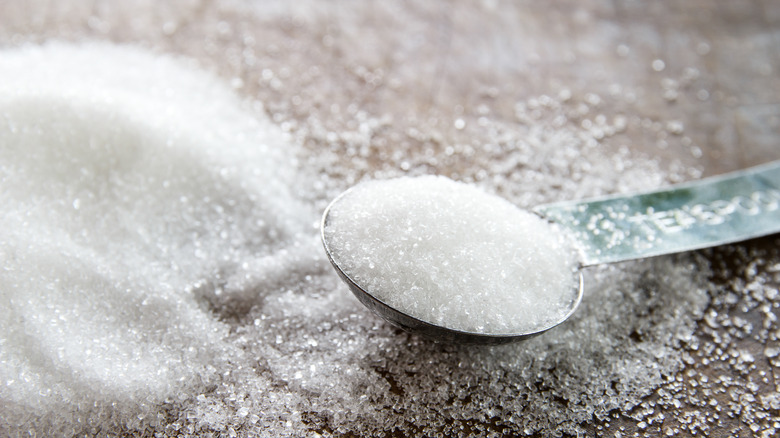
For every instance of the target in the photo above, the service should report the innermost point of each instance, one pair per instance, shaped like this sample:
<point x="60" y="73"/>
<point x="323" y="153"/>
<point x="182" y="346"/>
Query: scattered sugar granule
<point x="452" y="255"/>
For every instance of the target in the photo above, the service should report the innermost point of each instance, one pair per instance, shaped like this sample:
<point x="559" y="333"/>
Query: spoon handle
<point x="709" y="212"/>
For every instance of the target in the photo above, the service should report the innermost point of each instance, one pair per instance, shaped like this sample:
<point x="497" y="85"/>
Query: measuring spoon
<point x="714" y="211"/>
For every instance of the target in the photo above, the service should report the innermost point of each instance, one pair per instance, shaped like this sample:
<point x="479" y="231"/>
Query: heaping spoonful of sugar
<point x="454" y="263"/>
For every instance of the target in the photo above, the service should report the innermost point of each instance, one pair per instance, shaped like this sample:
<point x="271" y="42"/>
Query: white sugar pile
<point x="136" y="191"/>
<point x="453" y="255"/>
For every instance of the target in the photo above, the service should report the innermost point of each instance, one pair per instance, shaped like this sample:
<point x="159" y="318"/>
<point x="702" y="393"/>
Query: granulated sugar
<point x="163" y="275"/>
<point x="136" y="191"/>
<point x="452" y="255"/>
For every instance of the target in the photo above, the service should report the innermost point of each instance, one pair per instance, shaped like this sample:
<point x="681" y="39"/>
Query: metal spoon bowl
<point x="433" y="331"/>
<point x="713" y="211"/>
